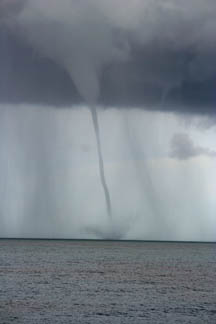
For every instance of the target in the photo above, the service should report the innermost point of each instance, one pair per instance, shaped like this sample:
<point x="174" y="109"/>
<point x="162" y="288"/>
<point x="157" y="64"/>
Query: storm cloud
<point x="153" y="54"/>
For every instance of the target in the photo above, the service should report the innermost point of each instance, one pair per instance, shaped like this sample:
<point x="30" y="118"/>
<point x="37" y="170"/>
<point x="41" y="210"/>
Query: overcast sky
<point x="149" y="66"/>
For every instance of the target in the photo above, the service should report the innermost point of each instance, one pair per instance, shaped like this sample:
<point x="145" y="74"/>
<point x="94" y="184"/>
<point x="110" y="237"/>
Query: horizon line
<point x="102" y="240"/>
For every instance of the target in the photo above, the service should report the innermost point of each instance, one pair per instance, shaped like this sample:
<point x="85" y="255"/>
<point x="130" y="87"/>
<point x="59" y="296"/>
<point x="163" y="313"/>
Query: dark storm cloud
<point x="170" y="65"/>
<point x="183" y="148"/>
<point x="27" y="78"/>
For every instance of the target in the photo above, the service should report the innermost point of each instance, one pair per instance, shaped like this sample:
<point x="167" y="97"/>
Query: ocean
<point x="87" y="281"/>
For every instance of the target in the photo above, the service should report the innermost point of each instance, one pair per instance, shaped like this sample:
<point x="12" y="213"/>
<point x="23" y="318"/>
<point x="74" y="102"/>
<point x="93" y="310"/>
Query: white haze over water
<point x="50" y="183"/>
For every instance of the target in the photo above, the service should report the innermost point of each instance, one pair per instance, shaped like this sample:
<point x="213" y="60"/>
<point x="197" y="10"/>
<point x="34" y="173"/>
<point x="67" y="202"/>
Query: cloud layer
<point x="157" y="54"/>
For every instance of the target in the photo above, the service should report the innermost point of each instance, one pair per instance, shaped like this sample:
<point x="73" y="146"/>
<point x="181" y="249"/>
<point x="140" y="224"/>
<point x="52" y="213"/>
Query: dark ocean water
<point x="45" y="281"/>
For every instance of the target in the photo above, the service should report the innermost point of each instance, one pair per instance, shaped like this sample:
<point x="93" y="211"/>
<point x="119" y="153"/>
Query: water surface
<point x="59" y="281"/>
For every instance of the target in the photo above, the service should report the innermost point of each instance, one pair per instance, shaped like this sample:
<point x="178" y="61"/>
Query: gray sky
<point x="153" y="59"/>
<point x="50" y="182"/>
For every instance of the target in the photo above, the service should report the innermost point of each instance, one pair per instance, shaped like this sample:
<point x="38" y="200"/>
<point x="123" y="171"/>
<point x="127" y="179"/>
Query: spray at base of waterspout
<point x="116" y="229"/>
<point x="109" y="231"/>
